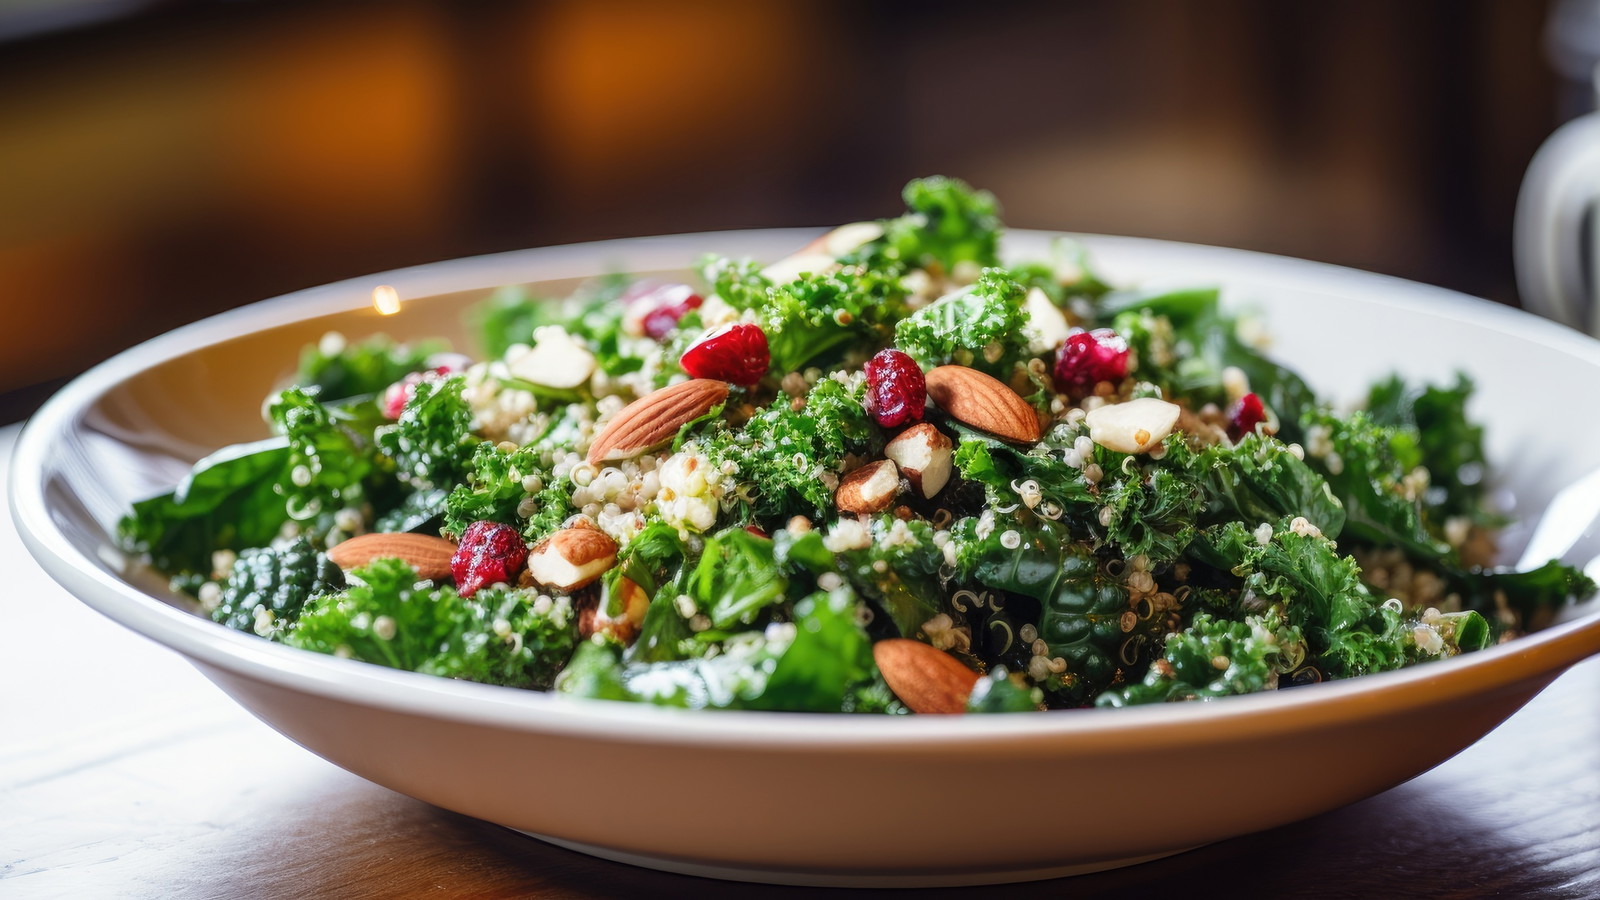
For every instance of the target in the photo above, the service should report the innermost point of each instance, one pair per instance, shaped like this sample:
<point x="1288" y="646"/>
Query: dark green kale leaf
<point x="1182" y="341"/>
<point x="1349" y="632"/>
<point x="897" y="572"/>
<point x="983" y="327"/>
<point x="432" y="443"/>
<point x="1082" y="609"/>
<point x="1366" y="464"/>
<point x="364" y="368"/>
<point x="267" y="587"/>
<point x="228" y="501"/>
<point x="1450" y="444"/>
<point x="1260" y="480"/>
<point x="500" y="636"/>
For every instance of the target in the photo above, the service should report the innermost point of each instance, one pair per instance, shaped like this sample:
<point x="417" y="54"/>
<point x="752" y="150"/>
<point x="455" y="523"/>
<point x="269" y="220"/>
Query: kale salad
<point x="892" y="473"/>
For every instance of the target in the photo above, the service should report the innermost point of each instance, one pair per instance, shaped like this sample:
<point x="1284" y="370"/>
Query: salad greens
<point x="1191" y="522"/>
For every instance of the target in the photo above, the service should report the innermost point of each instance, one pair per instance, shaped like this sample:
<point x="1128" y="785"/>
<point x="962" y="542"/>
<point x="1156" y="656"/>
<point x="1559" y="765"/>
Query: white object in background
<point x="1557" y="259"/>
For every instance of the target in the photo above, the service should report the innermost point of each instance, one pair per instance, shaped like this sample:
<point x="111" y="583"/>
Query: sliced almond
<point x="791" y="267"/>
<point x="556" y="360"/>
<point x="923" y="454"/>
<point x="616" y="614"/>
<point x="983" y="402"/>
<point x="869" y="489"/>
<point x="1047" y="325"/>
<point x="925" y="678"/>
<point x="571" y="558"/>
<point x="1134" y="426"/>
<point x="430" y="555"/>
<point x="653" y="419"/>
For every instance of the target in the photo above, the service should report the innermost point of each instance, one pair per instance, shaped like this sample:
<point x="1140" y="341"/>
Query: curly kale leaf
<point x="335" y="371"/>
<point x="1253" y="651"/>
<point x="1260" y="480"/>
<point x="228" y="501"/>
<point x="432" y="443"/>
<point x="500" y="636"/>
<point x="1450" y="444"/>
<point x="1153" y="507"/>
<point x="947" y="223"/>
<point x="493" y="490"/>
<point x="1366" y="464"/>
<point x="998" y="466"/>
<point x="983" y="327"/>
<point x="1348" y="630"/>
<point x="329" y="460"/>
<point x="738" y="282"/>
<point x="267" y="587"/>
<point x="782" y="452"/>
<point x="819" y="317"/>
<point x="810" y="665"/>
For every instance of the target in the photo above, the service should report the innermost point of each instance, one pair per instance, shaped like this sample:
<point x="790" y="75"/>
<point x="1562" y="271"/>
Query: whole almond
<point x="430" y="555"/>
<point x="983" y="402"/>
<point x="653" y="419"/>
<point x="868" y="489"/>
<point x="925" y="678"/>
<point x="571" y="558"/>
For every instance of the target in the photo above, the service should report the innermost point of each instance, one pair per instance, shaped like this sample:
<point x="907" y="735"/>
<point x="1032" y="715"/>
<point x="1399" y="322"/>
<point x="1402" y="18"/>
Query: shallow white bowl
<point x="832" y="799"/>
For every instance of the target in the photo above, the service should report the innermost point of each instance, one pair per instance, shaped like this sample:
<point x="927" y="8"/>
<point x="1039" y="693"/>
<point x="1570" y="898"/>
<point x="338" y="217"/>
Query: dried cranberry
<point x="896" y="390"/>
<point x="489" y="553"/>
<point x="734" y="353"/>
<point x="1087" y="358"/>
<point x="1244" y="414"/>
<point x="665" y="305"/>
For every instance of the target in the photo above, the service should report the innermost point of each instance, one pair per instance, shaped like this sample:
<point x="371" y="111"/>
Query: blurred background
<point x="162" y="161"/>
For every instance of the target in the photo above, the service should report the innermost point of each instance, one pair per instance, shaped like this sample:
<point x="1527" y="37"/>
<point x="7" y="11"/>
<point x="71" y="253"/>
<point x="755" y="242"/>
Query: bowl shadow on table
<point x="1407" y="842"/>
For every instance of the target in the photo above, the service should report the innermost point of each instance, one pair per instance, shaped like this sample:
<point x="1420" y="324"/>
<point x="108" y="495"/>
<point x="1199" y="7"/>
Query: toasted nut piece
<point x="923" y="454"/>
<point x="556" y="360"/>
<point x="925" y="678"/>
<point x="428" y="554"/>
<point x="1134" y="426"/>
<point x="616" y="614"/>
<point x="1047" y="325"/>
<point x="983" y="402"/>
<point x="868" y="489"/>
<point x="571" y="558"/>
<point x="653" y="419"/>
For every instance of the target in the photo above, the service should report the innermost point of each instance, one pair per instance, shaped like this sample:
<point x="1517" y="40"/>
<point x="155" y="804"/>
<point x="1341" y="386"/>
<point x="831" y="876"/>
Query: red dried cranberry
<point x="1244" y="414"/>
<point x="896" y="390"/>
<point x="664" y="306"/>
<point x="489" y="553"/>
<point x="733" y="353"/>
<point x="1087" y="358"/>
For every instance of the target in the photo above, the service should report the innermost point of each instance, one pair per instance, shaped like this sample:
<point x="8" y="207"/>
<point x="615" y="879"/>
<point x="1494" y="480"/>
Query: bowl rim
<point x="1539" y="656"/>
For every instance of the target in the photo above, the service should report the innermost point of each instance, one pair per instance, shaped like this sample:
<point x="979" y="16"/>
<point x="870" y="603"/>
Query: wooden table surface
<point x="124" y="773"/>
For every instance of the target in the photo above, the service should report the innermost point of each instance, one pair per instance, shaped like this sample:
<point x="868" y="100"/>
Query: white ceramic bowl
<point x="832" y="799"/>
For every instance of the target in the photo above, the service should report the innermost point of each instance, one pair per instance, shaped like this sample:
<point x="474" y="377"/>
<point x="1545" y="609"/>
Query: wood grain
<point x="124" y="773"/>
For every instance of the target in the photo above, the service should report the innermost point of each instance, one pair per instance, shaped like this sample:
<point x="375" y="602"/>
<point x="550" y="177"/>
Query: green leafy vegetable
<point x="267" y="587"/>
<point x="983" y="327"/>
